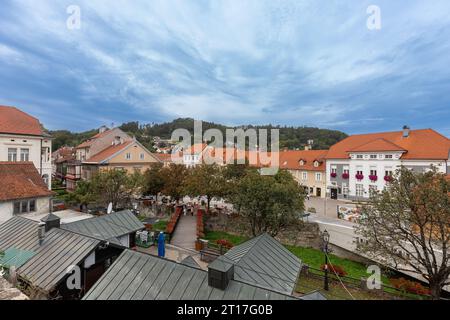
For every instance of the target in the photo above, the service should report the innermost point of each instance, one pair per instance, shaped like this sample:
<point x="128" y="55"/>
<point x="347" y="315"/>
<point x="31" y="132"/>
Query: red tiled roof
<point x="291" y="160"/>
<point x="195" y="149"/>
<point x="21" y="180"/>
<point x="108" y="152"/>
<point x="14" y="121"/>
<point x="421" y="144"/>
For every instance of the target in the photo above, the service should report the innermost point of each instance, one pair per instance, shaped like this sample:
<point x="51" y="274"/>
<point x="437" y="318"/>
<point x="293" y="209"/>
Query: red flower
<point x="345" y="176"/>
<point x="359" y="176"/>
<point x="373" y="177"/>
<point x="333" y="174"/>
<point x="388" y="178"/>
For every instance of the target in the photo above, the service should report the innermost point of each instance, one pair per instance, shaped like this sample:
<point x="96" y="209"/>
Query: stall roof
<point x="59" y="250"/>
<point x="107" y="227"/>
<point x="137" y="276"/>
<point x="265" y="262"/>
<point x="20" y="233"/>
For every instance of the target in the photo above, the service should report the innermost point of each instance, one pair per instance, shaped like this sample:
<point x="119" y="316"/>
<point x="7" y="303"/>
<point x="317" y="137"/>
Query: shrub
<point x="224" y="243"/>
<point x="335" y="269"/>
<point x="409" y="286"/>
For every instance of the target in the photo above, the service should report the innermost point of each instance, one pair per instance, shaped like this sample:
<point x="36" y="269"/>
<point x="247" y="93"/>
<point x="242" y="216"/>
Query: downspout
<point x="40" y="169"/>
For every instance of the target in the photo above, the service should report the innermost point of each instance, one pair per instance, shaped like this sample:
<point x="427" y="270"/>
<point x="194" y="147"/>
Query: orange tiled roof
<point x="291" y="160"/>
<point x="378" y="145"/>
<point x="163" y="157"/>
<point x="421" y="144"/>
<point x="21" y="180"/>
<point x="91" y="140"/>
<point x="108" y="152"/>
<point x="14" y="121"/>
<point x="195" y="149"/>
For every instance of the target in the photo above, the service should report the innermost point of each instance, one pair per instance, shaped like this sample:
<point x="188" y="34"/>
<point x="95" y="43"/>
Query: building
<point x="308" y="167"/>
<point x="22" y="190"/>
<point x="22" y="139"/>
<point x="193" y="155"/>
<point x="130" y="156"/>
<point x="108" y="149"/>
<point x="365" y="162"/>
<point x="259" y="269"/>
<point x="60" y="160"/>
<point x="44" y="252"/>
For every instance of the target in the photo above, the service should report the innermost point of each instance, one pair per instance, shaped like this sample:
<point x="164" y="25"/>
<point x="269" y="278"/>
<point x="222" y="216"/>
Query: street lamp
<point x="326" y="240"/>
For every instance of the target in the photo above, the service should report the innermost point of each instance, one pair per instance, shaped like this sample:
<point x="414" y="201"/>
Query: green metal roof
<point x="20" y="233"/>
<point x="265" y="262"/>
<point x="15" y="257"/>
<point x="107" y="227"/>
<point x="138" y="276"/>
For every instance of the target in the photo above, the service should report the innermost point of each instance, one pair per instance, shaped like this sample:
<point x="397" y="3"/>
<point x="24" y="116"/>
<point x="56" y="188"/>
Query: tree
<point x="407" y="226"/>
<point x="116" y="186"/>
<point x="83" y="195"/>
<point x="173" y="177"/>
<point x="153" y="180"/>
<point x="205" y="180"/>
<point x="268" y="203"/>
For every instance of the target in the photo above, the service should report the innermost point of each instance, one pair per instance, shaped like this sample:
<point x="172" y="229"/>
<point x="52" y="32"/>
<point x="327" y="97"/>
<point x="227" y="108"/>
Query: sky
<point x="313" y="63"/>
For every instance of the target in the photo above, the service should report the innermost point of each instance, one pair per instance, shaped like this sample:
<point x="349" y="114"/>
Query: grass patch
<point x="160" y="225"/>
<point x="213" y="236"/>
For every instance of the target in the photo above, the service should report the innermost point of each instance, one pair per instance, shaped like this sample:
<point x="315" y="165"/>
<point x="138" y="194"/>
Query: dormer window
<point x="359" y="156"/>
<point x="316" y="163"/>
<point x="302" y="162"/>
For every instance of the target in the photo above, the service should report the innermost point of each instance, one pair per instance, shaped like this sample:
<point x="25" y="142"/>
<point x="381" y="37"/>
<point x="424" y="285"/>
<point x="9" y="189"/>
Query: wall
<point x="135" y="162"/>
<point x="34" y="146"/>
<point x="7" y="208"/>
<point x="311" y="182"/>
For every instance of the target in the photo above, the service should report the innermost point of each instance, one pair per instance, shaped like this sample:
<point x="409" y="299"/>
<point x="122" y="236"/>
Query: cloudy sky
<point x="233" y="62"/>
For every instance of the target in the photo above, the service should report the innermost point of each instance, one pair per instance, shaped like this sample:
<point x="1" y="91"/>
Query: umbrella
<point x="161" y="245"/>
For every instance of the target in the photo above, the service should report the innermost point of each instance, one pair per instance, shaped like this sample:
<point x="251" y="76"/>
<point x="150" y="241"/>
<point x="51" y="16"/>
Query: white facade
<point x="379" y="164"/>
<point x="7" y="207"/>
<point x="28" y="148"/>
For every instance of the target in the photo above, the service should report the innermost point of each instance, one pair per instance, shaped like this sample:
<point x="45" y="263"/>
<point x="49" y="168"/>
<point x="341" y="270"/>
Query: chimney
<point x="406" y="131"/>
<point x="102" y="129"/>
<point x="41" y="232"/>
<point x="51" y="221"/>
<point x="220" y="273"/>
<point x="117" y="140"/>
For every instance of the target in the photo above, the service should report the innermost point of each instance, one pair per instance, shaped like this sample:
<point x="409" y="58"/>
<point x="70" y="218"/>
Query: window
<point x="333" y="170"/>
<point x="359" y="156"/>
<point x="373" y="172"/>
<point x="24" y="154"/>
<point x="345" y="189"/>
<point x="346" y="171"/>
<point x="359" y="190"/>
<point x="142" y="156"/>
<point x="302" y="162"/>
<point x="388" y="156"/>
<point x="16" y="208"/>
<point x="304" y="175"/>
<point x="12" y="154"/>
<point x="32" y="205"/>
<point x="24" y="207"/>
<point x="128" y="156"/>
<point x="388" y="172"/>
<point x="372" y="189"/>
<point x="45" y="178"/>
<point x="316" y="164"/>
<point x="318" y="176"/>
<point x="373" y="156"/>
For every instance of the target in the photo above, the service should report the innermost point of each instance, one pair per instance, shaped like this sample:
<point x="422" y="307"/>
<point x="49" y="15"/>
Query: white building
<point x="22" y="139"/>
<point x="360" y="163"/>
<point x="22" y="190"/>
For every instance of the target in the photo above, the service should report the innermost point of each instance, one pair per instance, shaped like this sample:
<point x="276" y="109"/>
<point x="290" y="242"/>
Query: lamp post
<point x="326" y="239"/>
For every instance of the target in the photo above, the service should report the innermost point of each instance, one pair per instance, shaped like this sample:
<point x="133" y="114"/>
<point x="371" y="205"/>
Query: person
<point x="307" y="196"/>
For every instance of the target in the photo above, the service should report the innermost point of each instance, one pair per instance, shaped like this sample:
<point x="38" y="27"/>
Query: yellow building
<point x="130" y="156"/>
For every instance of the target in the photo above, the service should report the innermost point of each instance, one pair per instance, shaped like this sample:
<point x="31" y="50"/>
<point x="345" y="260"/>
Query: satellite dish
<point x="110" y="208"/>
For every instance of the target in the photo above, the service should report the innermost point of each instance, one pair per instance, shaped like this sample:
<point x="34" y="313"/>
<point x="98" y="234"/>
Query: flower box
<point x="373" y="178"/>
<point x="359" y="176"/>
<point x="345" y="176"/>
<point x="388" y="178"/>
<point x="333" y="174"/>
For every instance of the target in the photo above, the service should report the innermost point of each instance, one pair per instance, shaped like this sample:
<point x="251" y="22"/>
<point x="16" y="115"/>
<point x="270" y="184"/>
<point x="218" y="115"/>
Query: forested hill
<point x="290" y="137"/>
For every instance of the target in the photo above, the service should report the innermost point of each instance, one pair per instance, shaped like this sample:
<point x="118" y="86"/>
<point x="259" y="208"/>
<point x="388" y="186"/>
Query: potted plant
<point x="373" y="177"/>
<point x="359" y="176"/>
<point x="345" y="176"/>
<point x="333" y="174"/>
<point x="388" y="178"/>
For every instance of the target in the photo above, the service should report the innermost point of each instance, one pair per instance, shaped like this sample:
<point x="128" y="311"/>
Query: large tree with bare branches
<point x="407" y="226"/>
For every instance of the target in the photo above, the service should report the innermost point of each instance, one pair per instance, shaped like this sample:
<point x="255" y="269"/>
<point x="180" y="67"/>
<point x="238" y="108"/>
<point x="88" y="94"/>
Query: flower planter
<point x="388" y="178"/>
<point x="333" y="175"/>
<point x="373" y="178"/>
<point x="359" y="176"/>
<point x="345" y="176"/>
